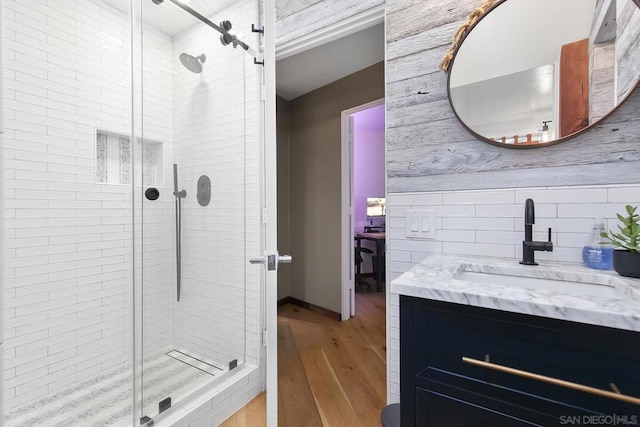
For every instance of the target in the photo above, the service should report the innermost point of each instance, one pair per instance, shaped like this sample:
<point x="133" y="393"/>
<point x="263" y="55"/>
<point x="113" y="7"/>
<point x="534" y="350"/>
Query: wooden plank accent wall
<point x="574" y="87"/>
<point x="300" y="18"/>
<point x="602" y="81"/>
<point x="428" y="149"/>
<point x="627" y="47"/>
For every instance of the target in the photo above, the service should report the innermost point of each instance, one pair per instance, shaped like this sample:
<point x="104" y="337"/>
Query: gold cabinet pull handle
<point x="551" y="380"/>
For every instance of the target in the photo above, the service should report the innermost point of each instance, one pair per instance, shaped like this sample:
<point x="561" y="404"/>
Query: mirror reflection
<point x="532" y="72"/>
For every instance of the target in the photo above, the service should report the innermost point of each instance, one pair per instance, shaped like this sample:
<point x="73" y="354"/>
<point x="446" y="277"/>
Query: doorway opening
<point x="363" y="203"/>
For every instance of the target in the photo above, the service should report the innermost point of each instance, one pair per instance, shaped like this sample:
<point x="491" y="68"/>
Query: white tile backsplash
<point x="502" y="224"/>
<point x="455" y="235"/>
<point x="499" y="211"/>
<point x="622" y="194"/>
<point x="486" y="197"/>
<point x="488" y="249"/>
<point x="495" y="229"/>
<point x="561" y="195"/>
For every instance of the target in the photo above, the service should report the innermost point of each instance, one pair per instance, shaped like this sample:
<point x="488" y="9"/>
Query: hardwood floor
<point x="330" y="373"/>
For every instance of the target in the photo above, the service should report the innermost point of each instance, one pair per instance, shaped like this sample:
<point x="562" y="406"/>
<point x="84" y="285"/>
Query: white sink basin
<point x="536" y="283"/>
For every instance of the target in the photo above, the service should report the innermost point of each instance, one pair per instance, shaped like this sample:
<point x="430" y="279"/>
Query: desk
<point x="379" y="239"/>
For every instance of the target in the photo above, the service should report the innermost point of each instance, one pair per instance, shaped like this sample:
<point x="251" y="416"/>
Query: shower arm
<point x="218" y="28"/>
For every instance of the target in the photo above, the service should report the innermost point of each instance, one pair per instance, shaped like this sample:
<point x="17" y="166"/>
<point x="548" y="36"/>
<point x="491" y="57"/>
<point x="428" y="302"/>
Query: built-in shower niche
<point x="113" y="160"/>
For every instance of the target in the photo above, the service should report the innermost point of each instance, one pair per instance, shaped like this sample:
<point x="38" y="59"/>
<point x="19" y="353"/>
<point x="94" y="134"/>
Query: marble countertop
<point x="435" y="278"/>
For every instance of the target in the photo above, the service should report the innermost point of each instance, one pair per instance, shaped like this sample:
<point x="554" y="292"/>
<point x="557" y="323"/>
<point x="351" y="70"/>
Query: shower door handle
<point x="285" y="259"/>
<point x="272" y="261"/>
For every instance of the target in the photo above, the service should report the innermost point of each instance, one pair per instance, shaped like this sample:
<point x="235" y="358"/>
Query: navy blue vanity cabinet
<point x="439" y="389"/>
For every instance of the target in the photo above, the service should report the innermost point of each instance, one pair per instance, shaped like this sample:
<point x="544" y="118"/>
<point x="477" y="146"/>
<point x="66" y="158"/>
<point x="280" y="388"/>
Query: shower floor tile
<point x="106" y="399"/>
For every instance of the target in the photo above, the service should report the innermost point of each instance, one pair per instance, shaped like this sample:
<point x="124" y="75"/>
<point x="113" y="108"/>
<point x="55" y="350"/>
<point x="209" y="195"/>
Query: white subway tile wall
<point x="155" y="219"/>
<point x="491" y="223"/>
<point x="68" y="240"/>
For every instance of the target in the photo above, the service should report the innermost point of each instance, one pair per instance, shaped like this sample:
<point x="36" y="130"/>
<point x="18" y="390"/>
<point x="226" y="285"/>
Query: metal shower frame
<point x="227" y="37"/>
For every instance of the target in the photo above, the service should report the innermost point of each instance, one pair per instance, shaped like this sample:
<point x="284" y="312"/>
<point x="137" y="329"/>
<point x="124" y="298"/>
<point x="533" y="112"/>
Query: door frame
<point x="331" y="32"/>
<point x="347" y="209"/>
<point x="2" y="205"/>
<point x="269" y="213"/>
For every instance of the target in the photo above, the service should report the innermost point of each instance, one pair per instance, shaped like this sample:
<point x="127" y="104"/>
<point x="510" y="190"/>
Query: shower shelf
<point x="113" y="160"/>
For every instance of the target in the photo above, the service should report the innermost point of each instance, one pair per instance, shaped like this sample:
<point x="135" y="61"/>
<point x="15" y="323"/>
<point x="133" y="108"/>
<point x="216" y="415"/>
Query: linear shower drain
<point x="199" y="364"/>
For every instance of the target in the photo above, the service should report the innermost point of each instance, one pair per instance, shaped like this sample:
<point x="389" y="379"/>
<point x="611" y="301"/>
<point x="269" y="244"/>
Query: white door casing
<point x="348" y="255"/>
<point x="348" y="209"/>
<point x="270" y="210"/>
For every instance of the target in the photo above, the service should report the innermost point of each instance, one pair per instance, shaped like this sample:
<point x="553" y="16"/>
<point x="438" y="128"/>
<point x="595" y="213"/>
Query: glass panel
<point x="193" y="235"/>
<point x="98" y="111"/>
<point x="68" y="352"/>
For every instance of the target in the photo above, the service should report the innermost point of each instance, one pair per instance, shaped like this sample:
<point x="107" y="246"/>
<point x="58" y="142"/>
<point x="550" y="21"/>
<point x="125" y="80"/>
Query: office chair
<point x="359" y="250"/>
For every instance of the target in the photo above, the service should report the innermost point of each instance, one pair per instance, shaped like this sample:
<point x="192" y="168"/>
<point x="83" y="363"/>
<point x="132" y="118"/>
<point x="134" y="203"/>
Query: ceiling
<point x="169" y="18"/>
<point x="317" y="67"/>
<point x="295" y="75"/>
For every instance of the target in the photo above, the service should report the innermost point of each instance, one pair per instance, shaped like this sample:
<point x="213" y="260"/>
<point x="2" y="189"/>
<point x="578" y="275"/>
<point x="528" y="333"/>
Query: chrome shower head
<point x="193" y="63"/>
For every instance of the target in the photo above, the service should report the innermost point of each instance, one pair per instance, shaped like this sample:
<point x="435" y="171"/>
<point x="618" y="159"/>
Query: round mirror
<point x="533" y="73"/>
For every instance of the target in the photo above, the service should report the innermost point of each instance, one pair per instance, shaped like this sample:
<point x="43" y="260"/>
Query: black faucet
<point x="529" y="247"/>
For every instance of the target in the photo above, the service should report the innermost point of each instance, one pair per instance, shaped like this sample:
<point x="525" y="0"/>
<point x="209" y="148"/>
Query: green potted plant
<point x="626" y="257"/>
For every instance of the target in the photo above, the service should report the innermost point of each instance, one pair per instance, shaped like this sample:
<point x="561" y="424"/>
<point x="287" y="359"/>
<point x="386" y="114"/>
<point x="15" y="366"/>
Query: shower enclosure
<point x="132" y="188"/>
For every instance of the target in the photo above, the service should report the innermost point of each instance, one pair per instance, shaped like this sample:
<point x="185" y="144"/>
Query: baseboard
<point x="311" y="307"/>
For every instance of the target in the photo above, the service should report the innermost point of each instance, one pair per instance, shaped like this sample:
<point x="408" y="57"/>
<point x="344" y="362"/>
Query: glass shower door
<point x="198" y="193"/>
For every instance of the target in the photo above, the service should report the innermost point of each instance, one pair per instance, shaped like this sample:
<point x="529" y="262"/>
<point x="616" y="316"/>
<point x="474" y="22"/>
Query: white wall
<point x="368" y="171"/>
<point x="491" y="223"/>
<point x="368" y="166"/>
